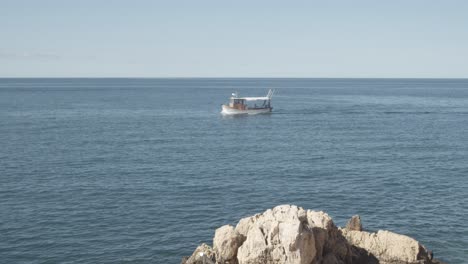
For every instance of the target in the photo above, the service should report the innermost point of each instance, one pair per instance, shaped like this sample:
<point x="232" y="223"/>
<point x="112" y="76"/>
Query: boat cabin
<point x="237" y="103"/>
<point x="244" y="103"/>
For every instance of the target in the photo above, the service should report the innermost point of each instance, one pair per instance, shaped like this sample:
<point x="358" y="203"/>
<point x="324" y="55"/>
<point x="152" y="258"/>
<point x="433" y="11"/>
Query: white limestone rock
<point x="291" y="235"/>
<point x="225" y="243"/>
<point x="203" y="254"/>
<point x="388" y="247"/>
<point x="280" y="235"/>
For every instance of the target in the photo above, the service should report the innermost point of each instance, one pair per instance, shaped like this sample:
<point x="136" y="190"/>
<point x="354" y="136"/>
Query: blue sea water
<point x="144" y="170"/>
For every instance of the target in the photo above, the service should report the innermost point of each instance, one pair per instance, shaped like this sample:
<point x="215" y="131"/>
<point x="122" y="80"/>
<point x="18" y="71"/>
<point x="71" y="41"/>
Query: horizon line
<point x="237" y="77"/>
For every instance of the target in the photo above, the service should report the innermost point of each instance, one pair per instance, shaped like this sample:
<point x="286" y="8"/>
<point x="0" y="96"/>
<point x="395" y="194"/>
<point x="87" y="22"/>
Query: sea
<point x="144" y="170"/>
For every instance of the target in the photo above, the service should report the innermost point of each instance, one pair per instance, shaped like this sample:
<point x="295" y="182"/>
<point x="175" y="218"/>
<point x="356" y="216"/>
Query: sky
<point x="200" y="38"/>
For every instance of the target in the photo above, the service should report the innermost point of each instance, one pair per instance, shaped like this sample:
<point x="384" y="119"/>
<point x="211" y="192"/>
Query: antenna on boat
<point x="270" y="93"/>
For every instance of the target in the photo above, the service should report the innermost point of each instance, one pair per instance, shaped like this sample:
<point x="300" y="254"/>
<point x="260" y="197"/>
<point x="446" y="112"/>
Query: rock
<point x="435" y="261"/>
<point x="320" y="220"/>
<point x="388" y="247"/>
<point x="331" y="259"/>
<point x="328" y="240"/>
<point x="292" y="235"/>
<point x="280" y="235"/>
<point x="245" y="223"/>
<point x="225" y="243"/>
<point x="354" y="223"/>
<point x="203" y="254"/>
<point x="184" y="260"/>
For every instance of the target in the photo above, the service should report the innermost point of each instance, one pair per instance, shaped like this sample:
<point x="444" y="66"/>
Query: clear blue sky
<point x="197" y="38"/>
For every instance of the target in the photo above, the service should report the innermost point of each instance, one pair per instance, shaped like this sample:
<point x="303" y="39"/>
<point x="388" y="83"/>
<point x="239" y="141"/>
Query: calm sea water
<point x="143" y="170"/>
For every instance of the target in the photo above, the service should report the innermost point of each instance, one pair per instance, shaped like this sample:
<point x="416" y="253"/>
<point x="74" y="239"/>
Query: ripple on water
<point x="96" y="174"/>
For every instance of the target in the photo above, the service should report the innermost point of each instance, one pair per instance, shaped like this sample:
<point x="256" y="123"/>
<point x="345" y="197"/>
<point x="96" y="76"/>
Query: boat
<point x="248" y="105"/>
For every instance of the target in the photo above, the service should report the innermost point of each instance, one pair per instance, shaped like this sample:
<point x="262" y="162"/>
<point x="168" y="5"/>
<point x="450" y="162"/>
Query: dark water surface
<point x="143" y="170"/>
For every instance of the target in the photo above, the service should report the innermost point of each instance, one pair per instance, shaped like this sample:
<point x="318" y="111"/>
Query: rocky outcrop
<point x="388" y="247"/>
<point x="280" y="235"/>
<point x="226" y="242"/>
<point x="354" y="223"/>
<point x="290" y="234"/>
<point x="203" y="254"/>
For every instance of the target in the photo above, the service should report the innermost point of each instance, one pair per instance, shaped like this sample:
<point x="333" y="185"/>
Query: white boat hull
<point x="226" y="110"/>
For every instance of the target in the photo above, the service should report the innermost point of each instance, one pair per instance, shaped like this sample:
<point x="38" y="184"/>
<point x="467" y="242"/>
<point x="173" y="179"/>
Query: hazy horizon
<point x="221" y="77"/>
<point x="240" y="77"/>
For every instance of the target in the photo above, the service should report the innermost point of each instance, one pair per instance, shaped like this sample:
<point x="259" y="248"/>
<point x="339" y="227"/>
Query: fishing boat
<point x="248" y="105"/>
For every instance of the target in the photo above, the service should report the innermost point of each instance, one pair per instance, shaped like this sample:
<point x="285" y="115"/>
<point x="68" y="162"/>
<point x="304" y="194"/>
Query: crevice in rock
<point x="264" y="236"/>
